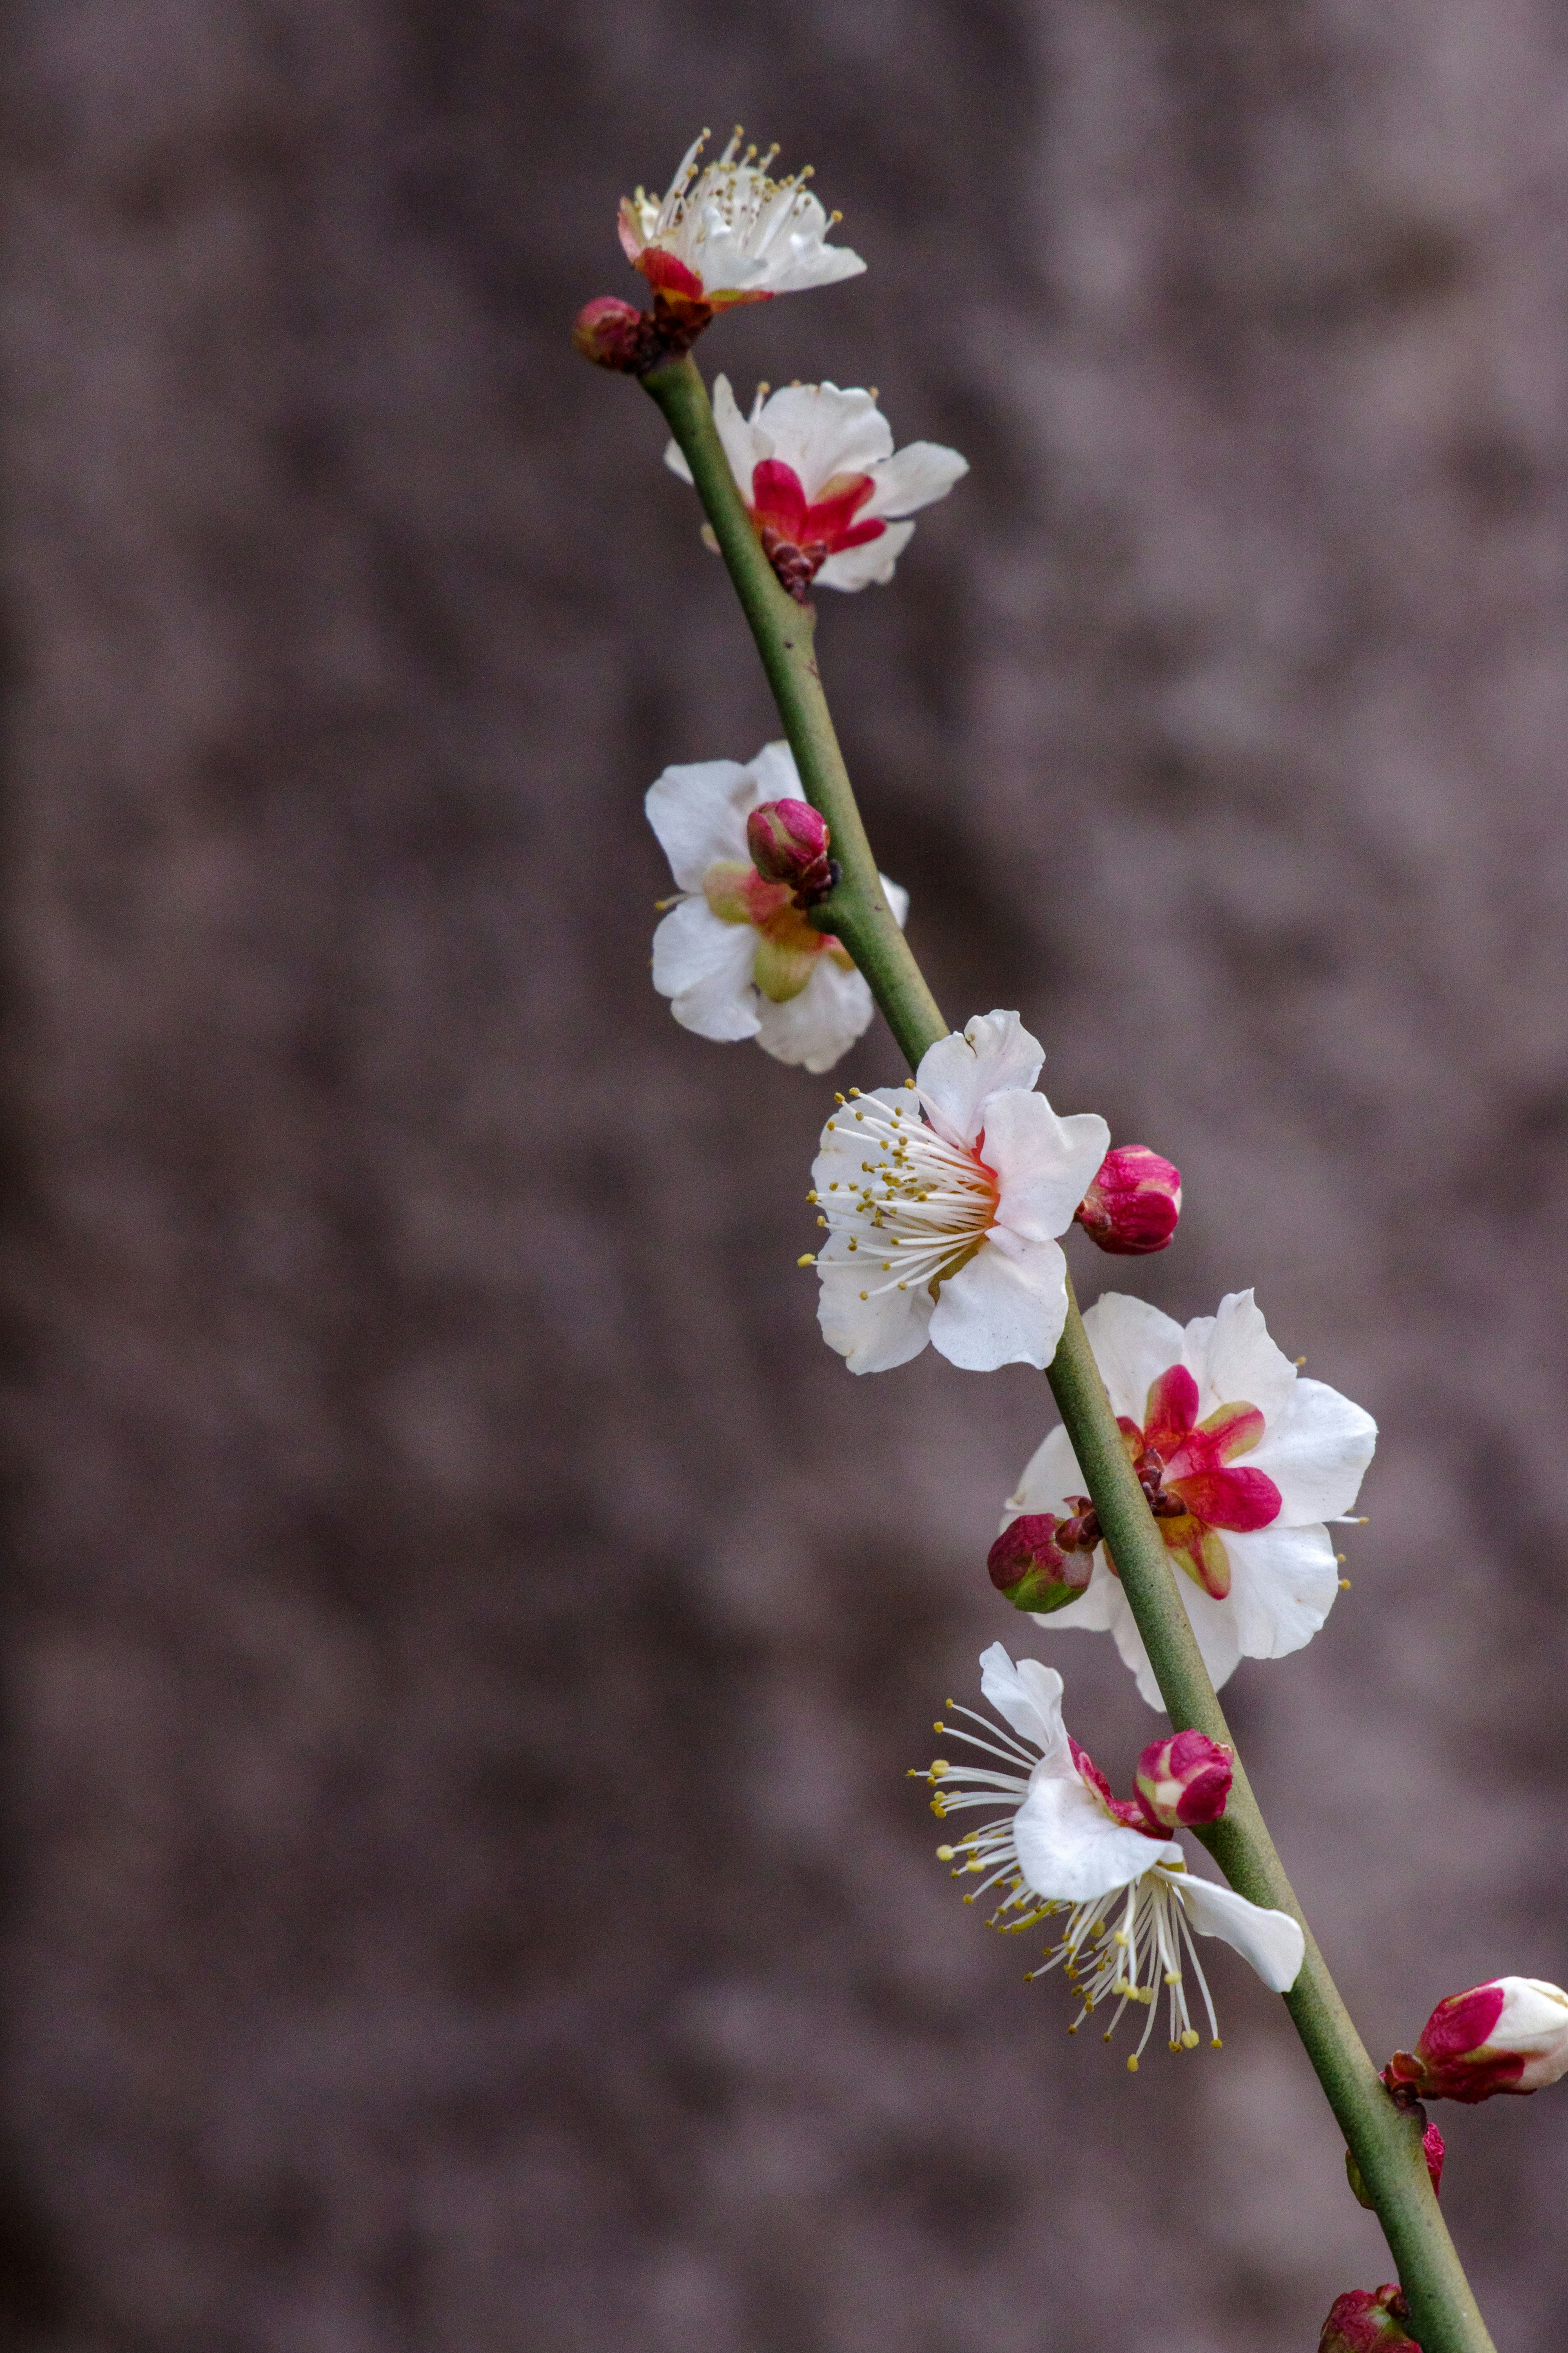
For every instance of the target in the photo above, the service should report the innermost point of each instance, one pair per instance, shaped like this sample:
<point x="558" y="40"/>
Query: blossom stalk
<point x="1386" y="2142"/>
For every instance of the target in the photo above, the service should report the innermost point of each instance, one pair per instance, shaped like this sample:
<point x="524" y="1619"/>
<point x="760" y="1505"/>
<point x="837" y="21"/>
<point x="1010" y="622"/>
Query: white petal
<point x="869" y="566"/>
<point x="1050" y="1475"/>
<point x="822" y="1023"/>
<point x="675" y="459"/>
<point x="1235" y="1360"/>
<point x="1270" y="1941"/>
<point x="821" y="431"/>
<point x="1069" y="1847"/>
<point x="993" y="1054"/>
<point x="739" y="435"/>
<point x="1316" y="1452"/>
<point x="1028" y="1697"/>
<point x="699" y="813"/>
<point x="898" y="898"/>
<point x="921" y="473"/>
<point x="1133" y="1344"/>
<point x="875" y="1333"/>
<point x="1046" y="1164"/>
<point x="1284" y="1582"/>
<point x="1007" y="1306"/>
<point x="839" y="1152"/>
<point x="705" y="966"/>
<point x="1213" y="1623"/>
<point x="777" y="778"/>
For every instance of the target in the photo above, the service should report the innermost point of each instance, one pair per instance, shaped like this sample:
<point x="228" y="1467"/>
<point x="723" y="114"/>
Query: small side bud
<point x="612" y="334"/>
<point x="788" y="841"/>
<point x="1432" y="2149"/>
<point x="1183" y="1780"/>
<point x="1133" y="1204"/>
<point x="1032" y="1571"/>
<point x="1509" y="2035"/>
<point x="1367" y="2320"/>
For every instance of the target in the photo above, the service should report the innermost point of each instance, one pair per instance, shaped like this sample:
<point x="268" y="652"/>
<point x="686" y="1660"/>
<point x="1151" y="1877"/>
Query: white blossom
<point x="943" y="1199"/>
<point x="725" y="232"/>
<point x="1259" y="1573"/>
<point x="734" y="955"/>
<point x="1062" y="1848"/>
<point x="825" y="486"/>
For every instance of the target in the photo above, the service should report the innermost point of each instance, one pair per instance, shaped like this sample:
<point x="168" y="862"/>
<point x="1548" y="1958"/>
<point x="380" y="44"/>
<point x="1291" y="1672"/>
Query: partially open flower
<point x="1244" y="1462"/>
<point x="1185" y="1779"/>
<point x="789" y="842"/>
<point x="736" y="953"/>
<point x="725" y="232"/>
<point x="1029" y="1568"/>
<point x="1368" y="2320"/>
<point x="1133" y="1204"/>
<point x="943" y="1199"/>
<point x="819" y="472"/>
<point x="1063" y="1848"/>
<point x="1511" y="2035"/>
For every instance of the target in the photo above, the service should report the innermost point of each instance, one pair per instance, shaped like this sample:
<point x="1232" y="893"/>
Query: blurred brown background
<point x="465" y="1632"/>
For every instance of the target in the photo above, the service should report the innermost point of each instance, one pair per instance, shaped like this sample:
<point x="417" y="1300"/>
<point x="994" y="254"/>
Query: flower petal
<point x="822" y="431"/>
<point x="705" y="966"/>
<point x="1069" y="1848"/>
<point x="1271" y="1942"/>
<point x="1284" y="1582"/>
<point x="898" y="898"/>
<point x="698" y="811"/>
<point x="1046" y="1164"/>
<point x="874" y="1334"/>
<point x="1133" y="1344"/>
<point x="743" y="446"/>
<point x="915" y="477"/>
<point x="1028" y="1697"/>
<point x="822" y="1023"/>
<point x="1317" y="1452"/>
<point x="1007" y="1306"/>
<point x="1235" y="1361"/>
<point x="1050" y="1475"/>
<point x="993" y="1054"/>
<point x="777" y="778"/>
<point x="870" y="566"/>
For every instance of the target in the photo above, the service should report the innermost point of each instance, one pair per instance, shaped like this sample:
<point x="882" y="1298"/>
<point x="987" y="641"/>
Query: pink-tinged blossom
<point x="726" y="232"/>
<point x="943" y="1199"/>
<point x="1062" y="1847"/>
<point x="823" y="483"/>
<point x="1244" y="1462"/>
<point x="1368" y="2320"/>
<point x="735" y="955"/>
<point x="1183" y="1780"/>
<point x="1509" y="2035"/>
<point x="1134" y="1202"/>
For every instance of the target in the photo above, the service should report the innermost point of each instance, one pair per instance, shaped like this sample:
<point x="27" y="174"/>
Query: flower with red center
<point x="735" y="954"/>
<point x="1243" y="1460"/>
<point x="943" y="1199"/>
<point x="823" y="485"/>
<point x="726" y="232"/>
<point x="1064" y="1845"/>
<point x="1511" y="2035"/>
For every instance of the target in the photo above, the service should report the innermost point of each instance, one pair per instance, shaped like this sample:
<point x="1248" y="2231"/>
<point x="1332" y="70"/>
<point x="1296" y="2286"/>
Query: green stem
<point x="1385" y="2141"/>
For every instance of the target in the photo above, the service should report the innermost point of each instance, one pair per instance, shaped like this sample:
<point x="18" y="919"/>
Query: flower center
<point x="921" y="1207"/>
<point x="789" y="944"/>
<point x="799" y="533"/>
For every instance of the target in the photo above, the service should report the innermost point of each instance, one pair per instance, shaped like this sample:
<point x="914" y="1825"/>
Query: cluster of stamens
<point x="921" y="1207"/>
<point x="737" y="184"/>
<point x="1105" y="1958"/>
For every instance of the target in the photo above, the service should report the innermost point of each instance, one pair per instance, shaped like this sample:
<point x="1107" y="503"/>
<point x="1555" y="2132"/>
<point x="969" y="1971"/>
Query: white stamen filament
<point x="930" y="1204"/>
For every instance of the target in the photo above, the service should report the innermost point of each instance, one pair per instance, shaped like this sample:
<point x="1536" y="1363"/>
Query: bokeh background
<point x="464" y="1632"/>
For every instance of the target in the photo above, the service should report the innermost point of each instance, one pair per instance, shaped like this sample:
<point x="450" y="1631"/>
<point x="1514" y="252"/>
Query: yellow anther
<point x="854" y="1095"/>
<point x="1172" y="1976"/>
<point x="1299" y="1362"/>
<point x="1133" y="2066"/>
<point x="1216" y="2044"/>
<point x="1120" y="1937"/>
<point x="1344" y="1584"/>
<point x="838" y="1099"/>
<point x="807" y="1259"/>
<point x="938" y="1766"/>
<point x="1340" y="1559"/>
<point x="945" y="1853"/>
<point x="911" y="1084"/>
<point x="809" y="1199"/>
<point x="865" y="1294"/>
<point x="1190" y="2039"/>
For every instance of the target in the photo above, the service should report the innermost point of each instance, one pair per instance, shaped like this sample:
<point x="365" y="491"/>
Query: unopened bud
<point x="1432" y="2149"/>
<point x="613" y="334"/>
<point x="1511" y="2035"/>
<point x="1133" y="1204"/>
<point x="1032" y="1571"/>
<point x="1184" y="1779"/>
<point x="1367" y="2320"/>
<point x="788" y="842"/>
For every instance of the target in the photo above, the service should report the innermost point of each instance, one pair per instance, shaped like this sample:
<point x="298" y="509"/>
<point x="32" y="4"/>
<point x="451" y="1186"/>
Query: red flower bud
<point x="1033" y="1571"/>
<point x="1184" y="1779"/>
<point x="788" y="842"/>
<point x="1511" y="2035"/>
<point x="1367" y="2320"/>
<point x="613" y="334"/>
<point x="1133" y="1204"/>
